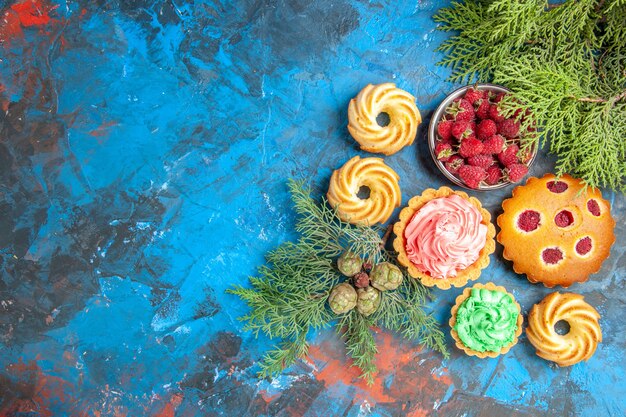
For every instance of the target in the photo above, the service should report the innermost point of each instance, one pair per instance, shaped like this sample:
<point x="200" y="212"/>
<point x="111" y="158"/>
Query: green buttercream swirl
<point x="487" y="320"/>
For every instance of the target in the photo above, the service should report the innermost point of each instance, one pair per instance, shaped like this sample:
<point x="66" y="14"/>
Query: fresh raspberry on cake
<point x="443" y="151"/>
<point x="461" y="129"/>
<point x="461" y="109"/>
<point x="515" y="172"/>
<point x="494" y="174"/>
<point x="471" y="175"/>
<point x="482" y="160"/>
<point x="493" y="145"/>
<point x="494" y="114"/>
<point x="509" y="128"/>
<point x="509" y="155"/>
<point x="470" y="147"/>
<point x="454" y="163"/>
<point x="486" y="129"/>
<point x="472" y="95"/>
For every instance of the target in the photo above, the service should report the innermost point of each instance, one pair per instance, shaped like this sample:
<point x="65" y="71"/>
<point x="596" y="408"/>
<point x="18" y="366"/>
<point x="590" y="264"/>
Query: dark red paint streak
<point x="24" y="14"/>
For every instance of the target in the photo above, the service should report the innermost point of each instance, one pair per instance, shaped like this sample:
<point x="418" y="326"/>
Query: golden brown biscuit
<point x="404" y="118"/>
<point x="382" y="182"/>
<point x="579" y="344"/>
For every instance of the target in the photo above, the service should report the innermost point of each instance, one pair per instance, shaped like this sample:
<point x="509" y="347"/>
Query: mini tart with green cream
<point x="486" y="321"/>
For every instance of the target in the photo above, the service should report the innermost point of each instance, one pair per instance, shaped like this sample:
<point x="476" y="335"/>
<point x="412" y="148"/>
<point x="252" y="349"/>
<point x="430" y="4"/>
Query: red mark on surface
<point x="4" y="103"/>
<point x="170" y="408"/>
<point x="33" y="12"/>
<point x="30" y="390"/>
<point x="416" y="377"/>
<point x="102" y="130"/>
<point x="23" y="14"/>
<point x="267" y="397"/>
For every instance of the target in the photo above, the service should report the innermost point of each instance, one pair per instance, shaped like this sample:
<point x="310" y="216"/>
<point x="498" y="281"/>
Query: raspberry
<point x="557" y="187"/>
<point x="529" y="220"/>
<point x="472" y="95"/>
<point x="583" y="246"/>
<point x="494" y="114"/>
<point x="444" y="129"/>
<point x="494" y="173"/>
<point x="593" y="207"/>
<point x="515" y="172"/>
<point x="461" y="129"/>
<point x="472" y="176"/>
<point x="482" y="111"/>
<point x="509" y="155"/>
<point x="509" y="128"/>
<point x="498" y="98"/>
<point x="481" y="160"/>
<point x="493" y="145"/>
<point x="454" y="163"/>
<point x="443" y="151"/>
<point x="486" y="129"/>
<point x="564" y="218"/>
<point x="552" y="255"/>
<point x="470" y="147"/>
<point x="462" y="110"/>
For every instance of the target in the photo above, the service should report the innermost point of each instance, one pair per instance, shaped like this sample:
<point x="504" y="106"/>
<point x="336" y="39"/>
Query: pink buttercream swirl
<point x="445" y="236"/>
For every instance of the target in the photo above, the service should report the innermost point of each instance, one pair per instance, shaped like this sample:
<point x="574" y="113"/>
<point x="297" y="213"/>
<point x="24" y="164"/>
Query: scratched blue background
<point x="144" y="150"/>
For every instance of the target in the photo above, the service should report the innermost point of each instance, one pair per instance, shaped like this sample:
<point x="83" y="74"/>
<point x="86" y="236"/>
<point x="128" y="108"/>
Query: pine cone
<point x="342" y="298"/>
<point x="368" y="300"/>
<point x="361" y="280"/>
<point x="386" y="276"/>
<point x="349" y="264"/>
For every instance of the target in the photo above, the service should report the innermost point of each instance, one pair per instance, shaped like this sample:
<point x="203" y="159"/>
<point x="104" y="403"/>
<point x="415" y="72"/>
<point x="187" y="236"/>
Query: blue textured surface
<point x="144" y="150"/>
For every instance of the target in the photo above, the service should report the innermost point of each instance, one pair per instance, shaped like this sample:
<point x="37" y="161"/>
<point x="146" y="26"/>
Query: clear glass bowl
<point x="432" y="134"/>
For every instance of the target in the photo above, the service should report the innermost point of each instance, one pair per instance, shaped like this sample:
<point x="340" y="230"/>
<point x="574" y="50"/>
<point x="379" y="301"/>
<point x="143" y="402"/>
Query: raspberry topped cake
<point x="444" y="238"/>
<point x="556" y="231"/>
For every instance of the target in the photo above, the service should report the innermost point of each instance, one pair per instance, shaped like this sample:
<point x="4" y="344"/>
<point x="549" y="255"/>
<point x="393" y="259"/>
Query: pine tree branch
<point x="566" y="65"/>
<point x="289" y="295"/>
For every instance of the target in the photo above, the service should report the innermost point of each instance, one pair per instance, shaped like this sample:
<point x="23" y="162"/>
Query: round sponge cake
<point x="556" y="231"/>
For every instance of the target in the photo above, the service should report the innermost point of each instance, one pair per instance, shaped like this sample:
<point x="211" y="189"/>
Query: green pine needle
<point x="289" y="296"/>
<point x="566" y="64"/>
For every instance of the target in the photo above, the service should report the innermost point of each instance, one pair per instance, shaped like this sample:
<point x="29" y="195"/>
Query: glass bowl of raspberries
<point x="473" y="144"/>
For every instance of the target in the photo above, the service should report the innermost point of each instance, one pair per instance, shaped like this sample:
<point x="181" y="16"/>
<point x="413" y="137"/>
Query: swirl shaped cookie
<point x="372" y="173"/>
<point x="486" y="321"/>
<point x="444" y="238"/>
<point x="579" y="344"/>
<point x="556" y="231"/>
<point x="404" y="118"/>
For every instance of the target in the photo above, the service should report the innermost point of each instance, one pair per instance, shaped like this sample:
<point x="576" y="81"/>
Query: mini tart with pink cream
<point x="444" y="238"/>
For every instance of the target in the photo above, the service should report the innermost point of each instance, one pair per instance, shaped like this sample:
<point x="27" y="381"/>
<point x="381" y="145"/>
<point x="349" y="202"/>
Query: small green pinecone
<point x="369" y="300"/>
<point x="342" y="298"/>
<point x="349" y="264"/>
<point x="385" y="276"/>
